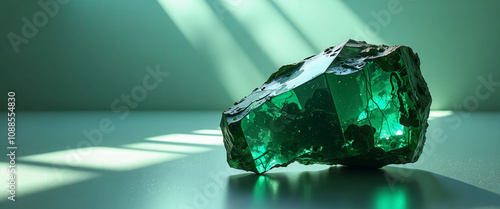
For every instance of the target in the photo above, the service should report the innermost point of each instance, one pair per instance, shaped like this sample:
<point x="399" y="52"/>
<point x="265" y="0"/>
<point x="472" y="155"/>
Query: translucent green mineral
<point x="354" y="104"/>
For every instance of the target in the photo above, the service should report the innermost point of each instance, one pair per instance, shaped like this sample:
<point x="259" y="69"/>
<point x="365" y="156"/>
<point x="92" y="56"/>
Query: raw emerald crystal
<point x="354" y="104"/>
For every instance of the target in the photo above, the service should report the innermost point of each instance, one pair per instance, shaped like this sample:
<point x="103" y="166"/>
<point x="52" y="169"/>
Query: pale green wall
<point x="93" y="51"/>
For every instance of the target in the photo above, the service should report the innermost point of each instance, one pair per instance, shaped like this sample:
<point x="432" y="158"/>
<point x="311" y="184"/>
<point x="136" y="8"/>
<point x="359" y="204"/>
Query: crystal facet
<point x="354" y="104"/>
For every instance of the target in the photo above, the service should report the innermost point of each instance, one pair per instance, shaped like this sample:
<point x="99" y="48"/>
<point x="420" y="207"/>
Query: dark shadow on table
<point x="343" y="187"/>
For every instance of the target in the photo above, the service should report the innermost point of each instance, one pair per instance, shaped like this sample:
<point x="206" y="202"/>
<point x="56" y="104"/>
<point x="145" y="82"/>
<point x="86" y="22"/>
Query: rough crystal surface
<point x="353" y="104"/>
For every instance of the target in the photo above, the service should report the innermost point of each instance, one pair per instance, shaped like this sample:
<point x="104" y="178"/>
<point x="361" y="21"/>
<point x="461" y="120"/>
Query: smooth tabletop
<point x="177" y="160"/>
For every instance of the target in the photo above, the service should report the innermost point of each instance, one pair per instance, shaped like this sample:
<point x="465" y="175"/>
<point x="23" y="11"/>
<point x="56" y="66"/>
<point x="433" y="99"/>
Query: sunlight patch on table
<point x="188" y="139"/>
<point x="31" y="179"/>
<point x="439" y="114"/>
<point x="167" y="147"/>
<point x="104" y="158"/>
<point x="208" y="131"/>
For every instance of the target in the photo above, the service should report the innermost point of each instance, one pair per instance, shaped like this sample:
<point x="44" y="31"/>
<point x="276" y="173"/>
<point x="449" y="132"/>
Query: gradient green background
<point x="93" y="51"/>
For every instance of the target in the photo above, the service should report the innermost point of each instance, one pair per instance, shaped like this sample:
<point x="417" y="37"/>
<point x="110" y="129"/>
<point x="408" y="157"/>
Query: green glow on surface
<point x="103" y="158"/>
<point x="265" y="189"/>
<point x="188" y="139"/>
<point x="386" y="198"/>
<point x="35" y="179"/>
<point x="259" y="196"/>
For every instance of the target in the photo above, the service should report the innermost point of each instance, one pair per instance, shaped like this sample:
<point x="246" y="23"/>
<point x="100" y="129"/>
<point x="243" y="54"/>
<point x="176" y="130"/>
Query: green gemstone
<point x="354" y="104"/>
